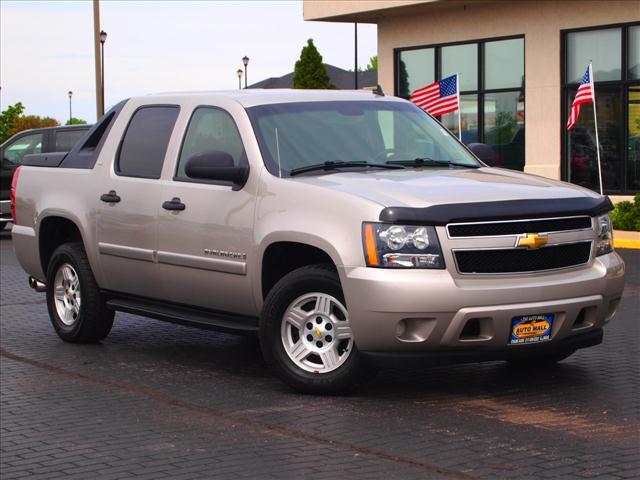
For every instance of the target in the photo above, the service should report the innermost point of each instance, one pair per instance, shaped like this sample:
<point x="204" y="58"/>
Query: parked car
<point x="39" y="140"/>
<point x="316" y="220"/>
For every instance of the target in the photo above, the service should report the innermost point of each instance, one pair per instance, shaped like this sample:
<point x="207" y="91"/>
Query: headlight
<point x="604" y="228"/>
<point x="401" y="246"/>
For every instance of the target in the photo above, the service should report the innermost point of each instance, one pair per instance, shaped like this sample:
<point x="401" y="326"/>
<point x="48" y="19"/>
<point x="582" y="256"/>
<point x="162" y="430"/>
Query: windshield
<point x="312" y="133"/>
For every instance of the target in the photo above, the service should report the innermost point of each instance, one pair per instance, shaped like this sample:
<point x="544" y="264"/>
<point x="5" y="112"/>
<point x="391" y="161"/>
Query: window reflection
<point x="633" y="139"/>
<point x="469" y="119"/>
<point x="504" y="128"/>
<point x="634" y="52"/>
<point x="583" y="160"/>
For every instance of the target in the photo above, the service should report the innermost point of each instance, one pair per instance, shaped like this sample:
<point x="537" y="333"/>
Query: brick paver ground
<point x="157" y="400"/>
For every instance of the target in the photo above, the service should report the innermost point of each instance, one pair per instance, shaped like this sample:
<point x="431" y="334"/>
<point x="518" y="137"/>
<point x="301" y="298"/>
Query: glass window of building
<point x="491" y="91"/>
<point x="617" y="91"/>
<point x="463" y="60"/>
<point x="416" y="68"/>
<point x="634" y="52"/>
<point x="603" y="47"/>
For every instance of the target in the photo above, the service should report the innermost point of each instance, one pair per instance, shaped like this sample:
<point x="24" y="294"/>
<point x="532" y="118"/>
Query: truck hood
<point x="434" y="186"/>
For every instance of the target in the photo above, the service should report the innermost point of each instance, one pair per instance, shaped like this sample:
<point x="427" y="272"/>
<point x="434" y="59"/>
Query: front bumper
<point x="426" y="311"/>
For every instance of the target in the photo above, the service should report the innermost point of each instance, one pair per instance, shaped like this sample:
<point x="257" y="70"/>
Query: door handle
<point x="174" y="204"/>
<point x="110" y="197"/>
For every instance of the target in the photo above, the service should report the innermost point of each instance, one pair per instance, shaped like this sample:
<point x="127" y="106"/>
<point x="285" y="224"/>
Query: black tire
<point x="538" y="360"/>
<point x="313" y="278"/>
<point x="94" y="320"/>
<point x="3" y="225"/>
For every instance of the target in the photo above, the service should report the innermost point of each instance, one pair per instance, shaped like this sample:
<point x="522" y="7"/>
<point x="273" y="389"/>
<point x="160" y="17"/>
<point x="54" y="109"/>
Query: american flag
<point x="584" y="95"/>
<point x="439" y="97"/>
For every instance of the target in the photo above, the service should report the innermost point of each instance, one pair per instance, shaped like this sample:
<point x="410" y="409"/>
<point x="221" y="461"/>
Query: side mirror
<point x="216" y="165"/>
<point x="484" y="152"/>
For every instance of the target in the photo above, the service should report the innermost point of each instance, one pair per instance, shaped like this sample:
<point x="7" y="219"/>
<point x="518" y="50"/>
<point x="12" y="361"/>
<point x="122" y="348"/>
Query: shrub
<point x="626" y="215"/>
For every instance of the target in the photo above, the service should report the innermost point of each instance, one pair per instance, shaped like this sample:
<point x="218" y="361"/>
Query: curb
<point x="622" y="239"/>
<point x="622" y="243"/>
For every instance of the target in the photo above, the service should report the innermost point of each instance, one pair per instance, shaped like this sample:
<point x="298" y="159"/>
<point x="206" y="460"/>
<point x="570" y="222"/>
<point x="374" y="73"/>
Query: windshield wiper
<point x="337" y="165"/>
<point x="429" y="162"/>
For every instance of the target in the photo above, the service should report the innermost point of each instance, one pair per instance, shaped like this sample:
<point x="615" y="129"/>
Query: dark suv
<point x="39" y="140"/>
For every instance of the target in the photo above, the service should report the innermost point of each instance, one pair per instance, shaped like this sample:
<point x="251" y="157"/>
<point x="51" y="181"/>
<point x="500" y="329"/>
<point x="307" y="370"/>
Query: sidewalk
<point x="623" y="239"/>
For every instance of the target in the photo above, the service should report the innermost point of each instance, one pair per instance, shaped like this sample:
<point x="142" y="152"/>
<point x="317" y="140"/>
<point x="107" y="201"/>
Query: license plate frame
<point x="528" y="329"/>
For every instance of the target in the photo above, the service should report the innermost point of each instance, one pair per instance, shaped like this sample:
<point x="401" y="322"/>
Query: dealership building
<point x="520" y="63"/>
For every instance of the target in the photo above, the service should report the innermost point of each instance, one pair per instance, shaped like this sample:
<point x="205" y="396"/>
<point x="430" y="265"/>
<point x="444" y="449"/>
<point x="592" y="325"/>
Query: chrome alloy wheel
<point x="316" y="333"/>
<point x="67" y="294"/>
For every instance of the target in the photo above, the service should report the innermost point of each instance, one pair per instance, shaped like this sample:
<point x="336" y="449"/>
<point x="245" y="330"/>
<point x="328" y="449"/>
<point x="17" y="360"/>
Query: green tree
<point x="27" y="122"/>
<point x="8" y="119"/>
<point x="309" y="71"/>
<point x="76" y="121"/>
<point x="373" y="64"/>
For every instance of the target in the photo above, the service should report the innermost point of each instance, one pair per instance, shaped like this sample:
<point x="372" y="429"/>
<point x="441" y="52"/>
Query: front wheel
<point x="306" y="335"/>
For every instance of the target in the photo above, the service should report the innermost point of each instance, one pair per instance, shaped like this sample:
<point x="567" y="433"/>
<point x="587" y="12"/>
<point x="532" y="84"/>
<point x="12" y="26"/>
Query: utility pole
<point x="355" y="67"/>
<point x="98" y="61"/>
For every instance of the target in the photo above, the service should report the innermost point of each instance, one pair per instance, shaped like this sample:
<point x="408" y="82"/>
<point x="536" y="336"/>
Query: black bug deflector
<point x="501" y="210"/>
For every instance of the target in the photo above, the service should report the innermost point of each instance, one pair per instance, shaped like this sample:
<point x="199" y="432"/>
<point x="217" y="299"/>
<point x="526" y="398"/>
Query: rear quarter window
<point x="65" y="140"/>
<point x="145" y="141"/>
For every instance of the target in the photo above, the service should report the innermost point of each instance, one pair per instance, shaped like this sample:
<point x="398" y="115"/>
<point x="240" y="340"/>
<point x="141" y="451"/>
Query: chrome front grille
<point x="517" y="227"/>
<point x="499" y="247"/>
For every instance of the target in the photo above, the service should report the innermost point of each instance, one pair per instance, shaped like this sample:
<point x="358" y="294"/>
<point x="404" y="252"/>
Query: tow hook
<point x="37" y="285"/>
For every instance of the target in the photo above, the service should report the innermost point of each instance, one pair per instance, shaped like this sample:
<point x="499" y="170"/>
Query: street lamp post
<point x="245" y="61"/>
<point x="239" y="73"/>
<point x="103" y="38"/>
<point x="70" y="93"/>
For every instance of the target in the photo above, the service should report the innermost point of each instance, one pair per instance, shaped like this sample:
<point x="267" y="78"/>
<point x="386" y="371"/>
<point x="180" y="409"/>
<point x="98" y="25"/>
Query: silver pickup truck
<point x="349" y="230"/>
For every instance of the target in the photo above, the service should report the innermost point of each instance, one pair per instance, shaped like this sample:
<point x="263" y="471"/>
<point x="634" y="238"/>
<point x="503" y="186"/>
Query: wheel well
<point x="281" y="258"/>
<point x="54" y="231"/>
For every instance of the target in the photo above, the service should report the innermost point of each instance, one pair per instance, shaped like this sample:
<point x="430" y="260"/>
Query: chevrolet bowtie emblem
<point x="318" y="333"/>
<point x="532" y="240"/>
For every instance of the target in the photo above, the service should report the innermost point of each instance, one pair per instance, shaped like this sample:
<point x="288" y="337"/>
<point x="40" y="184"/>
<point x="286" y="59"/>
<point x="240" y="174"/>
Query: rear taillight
<point x="14" y="185"/>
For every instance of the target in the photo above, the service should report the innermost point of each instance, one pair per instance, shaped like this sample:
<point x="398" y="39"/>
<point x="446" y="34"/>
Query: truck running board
<point x="191" y="317"/>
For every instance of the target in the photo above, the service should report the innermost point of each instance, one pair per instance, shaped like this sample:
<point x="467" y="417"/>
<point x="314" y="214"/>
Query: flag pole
<point x="459" y="107"/>
<point x="595" y="119"/>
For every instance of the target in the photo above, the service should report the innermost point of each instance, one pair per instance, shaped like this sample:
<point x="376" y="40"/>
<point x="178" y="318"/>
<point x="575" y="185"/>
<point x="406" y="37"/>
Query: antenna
<point x="278" y="154"/>
<point x="378" y="91"/>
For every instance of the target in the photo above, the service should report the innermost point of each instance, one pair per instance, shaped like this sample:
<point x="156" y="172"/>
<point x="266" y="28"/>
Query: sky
<point x="46" y="48"/>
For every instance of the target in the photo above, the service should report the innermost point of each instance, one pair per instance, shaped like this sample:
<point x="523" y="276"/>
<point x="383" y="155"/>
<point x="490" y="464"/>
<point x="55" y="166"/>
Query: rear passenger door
<point x="204" y="248"/>
<point x="128" y="204"/>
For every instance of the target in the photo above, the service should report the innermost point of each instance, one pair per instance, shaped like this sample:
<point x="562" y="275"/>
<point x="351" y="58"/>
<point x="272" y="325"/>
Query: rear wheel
<point x="306" y="335"/>
<point x="76" y="308"/>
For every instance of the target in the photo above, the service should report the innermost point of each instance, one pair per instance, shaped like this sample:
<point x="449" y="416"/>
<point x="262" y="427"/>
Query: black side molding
<point x="191" y="317"/>
<point x="502" y="210"/>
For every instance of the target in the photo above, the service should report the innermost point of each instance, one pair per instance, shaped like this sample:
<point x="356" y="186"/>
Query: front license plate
<point x="531" y="328"/>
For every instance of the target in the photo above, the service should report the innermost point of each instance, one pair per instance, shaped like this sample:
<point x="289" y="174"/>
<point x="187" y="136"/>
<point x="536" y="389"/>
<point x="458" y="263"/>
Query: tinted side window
<point x="65" y="140"/>
<point x="145" y="142"/>
<point x="16" y="150"/>
<point x="211" y="129"/>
